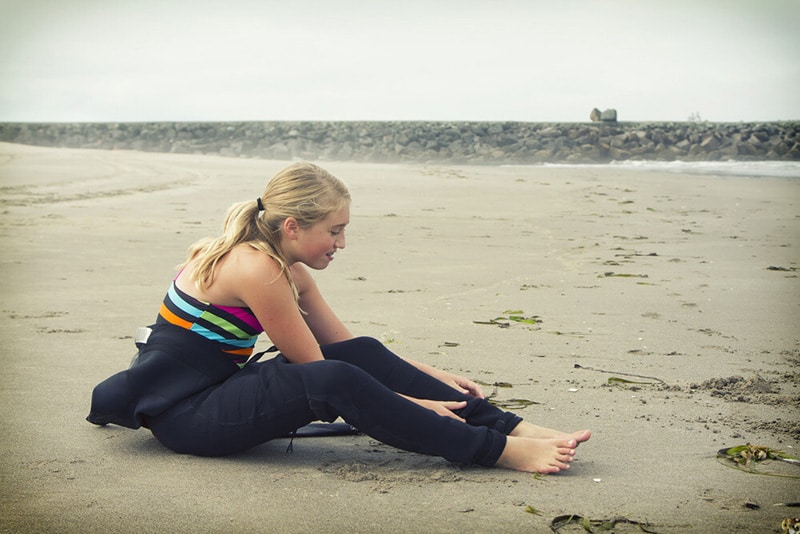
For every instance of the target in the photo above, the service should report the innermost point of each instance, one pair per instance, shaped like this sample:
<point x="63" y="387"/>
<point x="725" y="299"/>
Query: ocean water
<point x="774" y="169"/>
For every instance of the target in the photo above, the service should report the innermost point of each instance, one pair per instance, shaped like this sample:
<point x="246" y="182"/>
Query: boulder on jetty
<point x="609" y="115"/>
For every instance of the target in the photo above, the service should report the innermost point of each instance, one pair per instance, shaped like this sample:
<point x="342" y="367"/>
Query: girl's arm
<point x="257" y="280"/>
<point x="320" y="318"/>
<point x="328" y="328"/>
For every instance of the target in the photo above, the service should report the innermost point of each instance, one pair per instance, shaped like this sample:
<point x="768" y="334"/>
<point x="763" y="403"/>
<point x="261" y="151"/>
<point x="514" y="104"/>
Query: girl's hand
<point x="465" y="385"/>
<point x="459" y="383"/>
<point x="443" y="408"/>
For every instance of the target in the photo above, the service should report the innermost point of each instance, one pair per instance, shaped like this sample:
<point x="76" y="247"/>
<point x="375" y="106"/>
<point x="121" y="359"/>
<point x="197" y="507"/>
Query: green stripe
<point x="225" y="325"/>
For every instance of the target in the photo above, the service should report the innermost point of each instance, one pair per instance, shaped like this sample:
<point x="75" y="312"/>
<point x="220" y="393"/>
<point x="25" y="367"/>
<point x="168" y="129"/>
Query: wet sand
<point x="686" y="285"/>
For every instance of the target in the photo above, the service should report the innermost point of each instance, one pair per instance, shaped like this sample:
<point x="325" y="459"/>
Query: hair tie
<point x="260" y="204"/>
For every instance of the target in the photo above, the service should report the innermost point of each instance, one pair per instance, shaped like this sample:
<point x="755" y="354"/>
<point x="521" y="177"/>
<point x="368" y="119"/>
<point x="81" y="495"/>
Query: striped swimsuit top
<point x="234" y="329"/>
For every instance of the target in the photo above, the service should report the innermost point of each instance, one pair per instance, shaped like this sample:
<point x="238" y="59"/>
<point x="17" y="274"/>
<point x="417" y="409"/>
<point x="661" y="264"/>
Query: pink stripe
<point x="242" y="314"/>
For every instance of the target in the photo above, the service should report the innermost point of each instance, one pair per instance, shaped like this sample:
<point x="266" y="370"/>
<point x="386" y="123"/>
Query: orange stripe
<point x="240" y="352"/>
<point x="174" y="319"/>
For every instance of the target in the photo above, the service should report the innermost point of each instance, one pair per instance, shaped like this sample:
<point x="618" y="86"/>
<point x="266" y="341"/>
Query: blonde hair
<point x="303" y="190"/>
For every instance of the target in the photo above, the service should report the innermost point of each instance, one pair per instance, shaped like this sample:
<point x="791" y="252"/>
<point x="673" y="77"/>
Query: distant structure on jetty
<point x="445" y="142"/>
<point x="609" y="115"/>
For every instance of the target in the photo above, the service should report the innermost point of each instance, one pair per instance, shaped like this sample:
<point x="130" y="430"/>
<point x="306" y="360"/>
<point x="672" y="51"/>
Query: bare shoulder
<point x="245" y="260"/>
<point x="243" y="272"/>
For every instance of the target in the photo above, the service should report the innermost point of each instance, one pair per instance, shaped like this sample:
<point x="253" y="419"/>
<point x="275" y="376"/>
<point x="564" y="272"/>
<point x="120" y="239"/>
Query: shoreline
<point x="753" y="169"/>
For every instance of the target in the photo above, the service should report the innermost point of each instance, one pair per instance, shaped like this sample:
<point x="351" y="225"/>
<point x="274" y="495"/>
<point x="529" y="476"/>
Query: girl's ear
<point x="290" y="228"/>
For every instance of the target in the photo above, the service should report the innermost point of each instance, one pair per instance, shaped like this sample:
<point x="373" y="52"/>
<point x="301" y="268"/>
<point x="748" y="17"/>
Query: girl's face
<point x="315" y="246"/>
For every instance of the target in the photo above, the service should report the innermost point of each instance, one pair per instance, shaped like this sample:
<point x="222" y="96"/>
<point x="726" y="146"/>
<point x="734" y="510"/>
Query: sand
<point x="629" y="274"/>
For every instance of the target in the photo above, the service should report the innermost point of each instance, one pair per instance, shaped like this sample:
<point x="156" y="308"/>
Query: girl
<point x="195" y="385"/>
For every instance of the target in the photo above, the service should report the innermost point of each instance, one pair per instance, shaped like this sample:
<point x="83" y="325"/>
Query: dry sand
<point x="90" y="239"/>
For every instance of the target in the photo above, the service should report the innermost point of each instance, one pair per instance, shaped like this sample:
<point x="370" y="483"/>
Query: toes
<point x="552" y="469"/>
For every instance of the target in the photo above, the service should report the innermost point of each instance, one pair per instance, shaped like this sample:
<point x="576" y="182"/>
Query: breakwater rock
<point x="447" y="142"/>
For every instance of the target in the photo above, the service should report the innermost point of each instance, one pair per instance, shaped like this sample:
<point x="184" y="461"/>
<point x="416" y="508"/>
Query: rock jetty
<point x="445" y="142"/>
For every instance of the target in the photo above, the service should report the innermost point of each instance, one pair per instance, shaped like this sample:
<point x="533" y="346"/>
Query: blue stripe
<point x="181" y="303"/>
<point x="210" y="334"/>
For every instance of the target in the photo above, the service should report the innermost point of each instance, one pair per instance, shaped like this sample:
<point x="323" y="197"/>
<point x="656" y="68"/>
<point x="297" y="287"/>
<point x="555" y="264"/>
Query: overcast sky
<point x="535" y="60"/>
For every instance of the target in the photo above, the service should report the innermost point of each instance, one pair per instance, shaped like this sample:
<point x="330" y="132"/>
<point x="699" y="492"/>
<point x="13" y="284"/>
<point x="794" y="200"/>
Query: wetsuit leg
<point x="338" y="388"/>
<point x="398" y="375"/>
<point x="256" y="404"/>
<point x="268" y="400"/>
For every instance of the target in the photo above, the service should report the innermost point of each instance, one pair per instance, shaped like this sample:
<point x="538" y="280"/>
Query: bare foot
<point x="528" y="430"/>
<point x="537" y="455"/>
